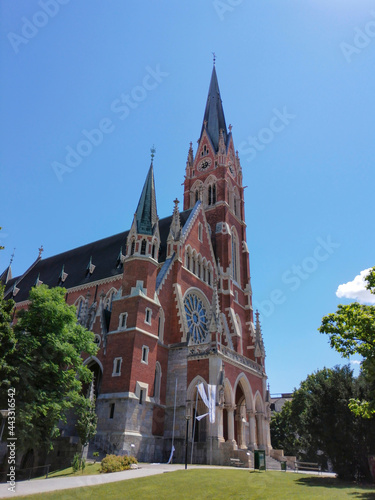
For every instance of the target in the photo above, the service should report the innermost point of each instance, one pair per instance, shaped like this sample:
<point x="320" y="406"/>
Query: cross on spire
<point x="214" y="57"/>
<point x="12" y="256"/>
<point x="153" y="151"/>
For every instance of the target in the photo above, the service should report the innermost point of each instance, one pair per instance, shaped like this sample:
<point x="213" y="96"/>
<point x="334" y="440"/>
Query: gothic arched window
<point x="109" y="299"/>
<point x="79" y="306"/>
<point x="143" y="247"/>
<point x="234" y="256"/>
<point x="211" y="194"/>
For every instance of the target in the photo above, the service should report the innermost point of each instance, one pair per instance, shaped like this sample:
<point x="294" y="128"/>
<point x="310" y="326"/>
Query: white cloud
<point x="355" y="362"/>
<point x="356" y="289"/>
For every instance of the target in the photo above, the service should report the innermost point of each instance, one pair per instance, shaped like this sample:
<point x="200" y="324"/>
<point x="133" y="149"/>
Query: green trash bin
<point x="260" y="459"/>
<point x="283" y="466"/>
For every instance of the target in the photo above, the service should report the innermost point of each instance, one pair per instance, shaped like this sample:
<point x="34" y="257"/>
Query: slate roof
<point x="214" y="113"/>
<point x="104" y="255"/>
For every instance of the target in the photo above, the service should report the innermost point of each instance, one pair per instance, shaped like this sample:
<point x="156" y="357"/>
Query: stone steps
<point x="271" y="463"/>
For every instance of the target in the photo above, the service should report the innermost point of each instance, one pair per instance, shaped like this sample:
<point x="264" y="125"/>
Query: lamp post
<point x="187" y="416"/>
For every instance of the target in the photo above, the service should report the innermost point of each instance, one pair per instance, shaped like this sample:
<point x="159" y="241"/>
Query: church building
<point x="170" y="304"/>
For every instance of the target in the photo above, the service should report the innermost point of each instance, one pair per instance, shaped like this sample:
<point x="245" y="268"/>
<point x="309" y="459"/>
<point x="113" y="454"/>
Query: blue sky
<point x="68" y="68"/>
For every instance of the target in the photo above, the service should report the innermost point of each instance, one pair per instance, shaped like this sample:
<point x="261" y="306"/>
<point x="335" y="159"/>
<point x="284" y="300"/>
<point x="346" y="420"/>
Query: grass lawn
<point x="90" y="468"/>
<point x="220" y="484"/>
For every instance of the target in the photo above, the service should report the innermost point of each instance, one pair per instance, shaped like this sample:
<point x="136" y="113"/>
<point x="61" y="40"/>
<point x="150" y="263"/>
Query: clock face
<point x="204" y="164"/>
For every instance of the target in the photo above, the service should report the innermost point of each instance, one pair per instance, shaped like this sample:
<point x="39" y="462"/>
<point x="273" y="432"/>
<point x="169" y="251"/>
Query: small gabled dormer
<point x="62" y="276"/>
<point x="90" y="267"/>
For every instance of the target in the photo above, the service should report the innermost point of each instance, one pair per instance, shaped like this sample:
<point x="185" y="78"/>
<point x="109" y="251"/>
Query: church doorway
<point x="240" y="418"/>
<point x="199" y="428"/>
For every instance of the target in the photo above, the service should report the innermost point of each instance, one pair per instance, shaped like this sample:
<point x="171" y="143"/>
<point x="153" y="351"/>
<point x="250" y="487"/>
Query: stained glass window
<point x="196" y="316"/>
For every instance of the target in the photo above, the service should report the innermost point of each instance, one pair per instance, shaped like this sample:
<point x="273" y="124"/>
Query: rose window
<point x="196" y="316"/>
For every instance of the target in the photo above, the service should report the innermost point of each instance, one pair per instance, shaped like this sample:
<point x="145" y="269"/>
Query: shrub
<point x="95" y="455"/>
<point x="117" y="463"/>
<point x="76" y="463"/>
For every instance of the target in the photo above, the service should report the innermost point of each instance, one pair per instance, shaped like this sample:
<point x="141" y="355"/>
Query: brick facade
<point x="175" y="310"/>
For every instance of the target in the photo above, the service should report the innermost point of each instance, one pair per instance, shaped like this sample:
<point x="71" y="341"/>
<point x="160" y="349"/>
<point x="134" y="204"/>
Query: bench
<point x="307" y="466"/>
<point x="236" y="462"/>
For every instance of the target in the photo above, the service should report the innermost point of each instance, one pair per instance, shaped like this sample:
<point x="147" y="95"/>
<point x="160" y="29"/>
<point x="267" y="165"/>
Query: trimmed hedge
<point x="117" y="463"/>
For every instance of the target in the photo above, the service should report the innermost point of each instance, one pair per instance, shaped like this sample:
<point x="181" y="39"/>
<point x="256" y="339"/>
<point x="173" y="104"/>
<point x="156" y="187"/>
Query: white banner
<point x="209" y="401"/>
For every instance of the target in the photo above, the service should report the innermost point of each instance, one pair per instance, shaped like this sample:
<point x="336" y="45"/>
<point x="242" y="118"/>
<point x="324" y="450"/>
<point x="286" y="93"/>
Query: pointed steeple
<point x="190" y="158"/>
<point x="146" y="214"/>
<point x="6" y="275"/>
<point x="259" y="347"/>
<point x="175" y="228"/>
<point x="214" y="120"/>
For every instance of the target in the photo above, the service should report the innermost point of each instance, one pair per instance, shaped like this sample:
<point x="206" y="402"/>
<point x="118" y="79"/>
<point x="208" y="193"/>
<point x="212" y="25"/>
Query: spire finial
<point x="153" y="150"/>
<point x="214" y="57"/>
<point x="41" y="250"/>
<point x="12" y="257"/>
<point x="176" y="202"/>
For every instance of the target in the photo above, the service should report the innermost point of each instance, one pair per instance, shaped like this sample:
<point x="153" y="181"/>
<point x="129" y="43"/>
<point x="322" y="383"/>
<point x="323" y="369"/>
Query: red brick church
<point x="170" y="303"/>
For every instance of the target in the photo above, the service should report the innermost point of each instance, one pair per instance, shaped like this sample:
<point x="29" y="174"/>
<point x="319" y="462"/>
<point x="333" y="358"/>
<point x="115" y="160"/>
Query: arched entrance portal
<point x="240" y="422"/>
<point x="199" y="409"/>
<point x="259" y="417"/>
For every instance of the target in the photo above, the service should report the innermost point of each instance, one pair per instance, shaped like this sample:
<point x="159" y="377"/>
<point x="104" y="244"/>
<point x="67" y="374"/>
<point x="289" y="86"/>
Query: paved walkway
<point x="63" y="483"/>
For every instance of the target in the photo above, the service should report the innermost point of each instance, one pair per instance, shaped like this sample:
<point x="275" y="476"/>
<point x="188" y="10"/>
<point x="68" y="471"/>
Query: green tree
<point x="87" y="420"/>
<point x="321" y="428"/>
<point x="50" y="370"/>
<point x="283" y="431"/>
<point x="352" y="331"/>
<point x="7" y="343"/>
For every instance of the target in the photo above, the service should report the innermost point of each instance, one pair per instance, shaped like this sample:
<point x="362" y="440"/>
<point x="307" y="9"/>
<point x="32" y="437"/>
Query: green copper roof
<point x="146" y="213"/>
<point x="214" y="113"/>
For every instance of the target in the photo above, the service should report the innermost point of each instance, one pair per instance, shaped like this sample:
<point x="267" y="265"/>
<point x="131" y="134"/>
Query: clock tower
<point x="214" y="177"/>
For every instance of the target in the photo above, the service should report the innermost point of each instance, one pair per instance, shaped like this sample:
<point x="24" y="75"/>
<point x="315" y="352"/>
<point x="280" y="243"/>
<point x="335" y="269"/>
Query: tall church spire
<point x="214" y="120"/>
<point x="146" y="214"/>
